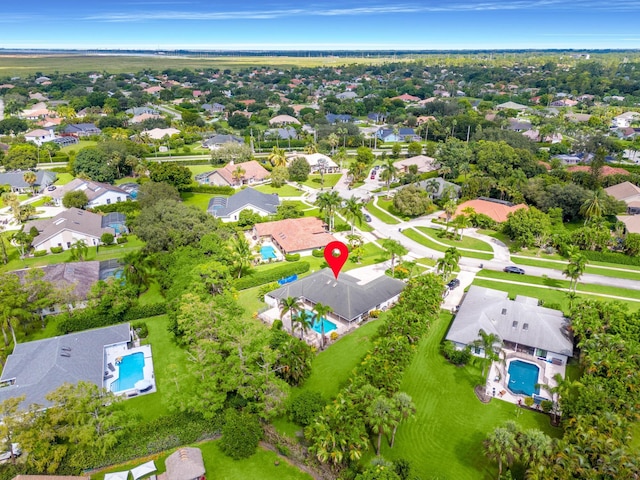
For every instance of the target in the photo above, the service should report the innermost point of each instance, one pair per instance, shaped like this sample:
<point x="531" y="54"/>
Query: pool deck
<point x="498" y="378"/>
<point x="278" y="254"/>
<point x="113" y="352"/>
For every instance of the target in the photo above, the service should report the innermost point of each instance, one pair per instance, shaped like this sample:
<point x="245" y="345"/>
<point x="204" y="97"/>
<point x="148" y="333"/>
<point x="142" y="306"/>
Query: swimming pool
<point x="131" y="370"/>
<point x="523" y="377"/>
<point x="267" y="252"/>
<point x="328" y="326"/>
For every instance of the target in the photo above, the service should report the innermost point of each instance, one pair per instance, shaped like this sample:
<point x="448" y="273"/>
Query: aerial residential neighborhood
<point x="343" y="263"/>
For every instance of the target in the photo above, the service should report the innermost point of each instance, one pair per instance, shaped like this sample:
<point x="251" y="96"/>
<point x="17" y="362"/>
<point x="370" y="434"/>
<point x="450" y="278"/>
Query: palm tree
<point x="403" y="409"/>
<point x="394" y="248"/>
<point x="241" y="252"/>
<point x="450" y="209"/>
<point x="30" y="178"/>
<point x="333" y="141"/>
<point x="238" y="174"/>
<point x="501" y="446"/>
<point x="352" y="210"/>
<point x="320" y="313"/>
<point x="575" y="268"/>
<point x="432" y="187"/>
<point x="449" y="262"/>
<point x="389" y="171"/>
<point x="304" y="319"/>
<point x="310" y="148"/>
<point x="488" y="342"/>
<point x="79" y="251"/>
<point x="138" y="270"/>
<point x="594" y="206"/>
<point x="290" y="305"/>
<point x="277" y="157"/>
<point x="379" y="418"/>
<point x="460" y="223"/>
<point x="328" y="203"/>
<point x="564" y="388"/>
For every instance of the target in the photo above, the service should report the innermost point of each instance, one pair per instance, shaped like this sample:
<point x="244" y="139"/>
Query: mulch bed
<point x="481" y="393"/>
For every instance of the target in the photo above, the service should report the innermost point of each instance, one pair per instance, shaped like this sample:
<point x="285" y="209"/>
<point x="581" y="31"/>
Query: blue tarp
<point x="289" y="279"/>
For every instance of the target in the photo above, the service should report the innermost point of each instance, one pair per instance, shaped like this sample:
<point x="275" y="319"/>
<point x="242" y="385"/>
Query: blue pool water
<point x="131" y="370"/>
<point x="523" y="377"/>
<point x="267" y="252"/>
<point x="328" y="326"/>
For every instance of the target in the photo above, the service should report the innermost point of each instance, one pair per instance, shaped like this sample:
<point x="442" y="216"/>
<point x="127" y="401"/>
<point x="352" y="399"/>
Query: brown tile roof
<point x="296" y="234"/>
<point x="606" y="170"/>
<point x="496" y="211"/>
<point x="631" y="222"/>
<point x="623" y="190"/>
<point x="252" y="170"/>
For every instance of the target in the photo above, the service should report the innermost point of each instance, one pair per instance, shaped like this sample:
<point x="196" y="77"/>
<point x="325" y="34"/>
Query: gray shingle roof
<point x="16" y="179"/>
<point x="74" y="219"/>
<point x="521" y="321"/>
<point x="80" y="274"/>
<point x="223" y="207"/>
<point x="347" y="298"/>
<point x="40" y="367"/>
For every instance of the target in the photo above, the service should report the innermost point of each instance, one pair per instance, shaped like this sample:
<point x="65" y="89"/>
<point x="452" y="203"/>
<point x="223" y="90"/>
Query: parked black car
<point x="512" y="269"/>
<point x="453" y="284"/>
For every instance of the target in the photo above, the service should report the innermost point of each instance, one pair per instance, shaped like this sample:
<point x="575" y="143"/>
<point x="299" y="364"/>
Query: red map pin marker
<point x="336" y="262"/>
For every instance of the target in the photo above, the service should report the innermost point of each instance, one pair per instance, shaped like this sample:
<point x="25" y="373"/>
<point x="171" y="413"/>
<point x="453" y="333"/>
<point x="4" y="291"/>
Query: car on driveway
<point x="512" y="269"/>
<point x="453" y="284"/>
<point x="51" y="188"/>
<point x="367" y="217"/>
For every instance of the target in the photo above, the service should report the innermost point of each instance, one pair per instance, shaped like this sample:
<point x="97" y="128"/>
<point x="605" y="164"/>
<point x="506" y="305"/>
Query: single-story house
<point x="217" y="141"/>
<point x="228" y="209"/>
<point x="16" y="181"/>
<point x="316" y="161"/>
<point x="495" y="209"/>
<point x="213" y="107"/>
<point x="253" y="173"/>
<point x="346" y="96"/>
<point x="628" y="193"/>
<point x="521" y="324"/>
<point x="36" y="368"/>
<point x="605" y="172"/>
<point x="82" y="129"/>
<point x="625" y="119"/>
<point x="67" y="227"/>
<point x="39" y="136"/>
<point x="405" y="97"/>
<point x="143" y="117"/>
<point x="285" y="133"/>
<point x="333" y="118"/>
<point x="631" y="222"/>
<point x="511" y="106"/>
<point x="404" y="134"/>
<point x="160" y="133"/>
<point x="283" y="120"/>
<point x="425" y="164"/>
<point x="184" y="464"/>
<point x="436" y="187"/>
<point x="142" y="110"/>
<point x="377" y="117"/>
<point x="97" y="193"/>
<point x="350" y="300"/>
<point x="295" y="235"/>
<point x="65" y="140"/>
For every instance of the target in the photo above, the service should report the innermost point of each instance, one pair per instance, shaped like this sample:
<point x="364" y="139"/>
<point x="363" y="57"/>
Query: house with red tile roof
<point x="295" y="235"/>
<point x="405" y="97"/>
<point x="606" y="170"/>
<point x="253" y="173"/>
<point x="628" y="193"/>
<point x="495" y="209"/>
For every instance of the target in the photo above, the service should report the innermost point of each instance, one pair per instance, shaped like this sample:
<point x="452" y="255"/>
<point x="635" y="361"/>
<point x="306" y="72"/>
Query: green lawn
<point x="444" y="441"/>
<point x="78" y="146"/>
<point x="427" y="242"/>
<point x="63" y="179"/>
<point x="198" y="169"/>
<point x="217" y="465"/>
<point x="105" y="253"/>
<point x="330" y="180"/>
<point x="283" y="191"/>
<point x="466" y="242"/>
<point x="497" y="235"/>
<point x="199" y="200"/>
<point x="560" y="265"/>
<point x="381" y="214"/>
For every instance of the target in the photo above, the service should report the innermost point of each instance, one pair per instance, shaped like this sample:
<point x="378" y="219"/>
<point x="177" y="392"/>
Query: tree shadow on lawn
<point x="552" y="282"/>
<point x="469" y="452"/>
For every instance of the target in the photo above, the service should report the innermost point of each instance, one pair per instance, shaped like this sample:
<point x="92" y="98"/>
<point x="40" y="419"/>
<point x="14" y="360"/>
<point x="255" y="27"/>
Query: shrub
<point x="293" y="257"/>
<point x="343" y="227"/>
<point x="56" y="249"/>
<point x="90" y="318"/>
<point x="304" y="408"/>
<point x="264" y="289"/>
<point x="261" y="277"/>
<point x="528" y="401"/>
<point x="39" y="253"/>
<point x="546" y="405"/>
<point x="611" y="257"/>
<point x="220" y="190"/>
<point x="141" y="329"/>
<point x="374" y="313"/>
<point x="241" y="434"/>
<point x="455" y="356"/>
<point x="106" y="238"/>
<point x="318" y="253"/>
<point x="334" y="336"/>
<point x="121" y="240"/>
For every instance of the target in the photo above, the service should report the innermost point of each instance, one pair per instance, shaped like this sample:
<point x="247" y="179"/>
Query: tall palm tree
<point x="449" y="209"/>
<point x="30" y="178"/>
<point x="138" y="269"/>
<point x="352" y="210"/>
<point x="238" y="174"/>
<point x="241" y="252"/>
<point x="334" y="141"/>
<point x="79" y="251"/>
<point x="594" y="206"/>
<point x="564" y="388"/>
<point x="395" y="249"/>
<point x="328" y="203"/>
<point x="290" y="305"/>
<point x="575" y="268"/>
<point x="277" y="157"/>
<point x="403" y="409"/>
<point x="389" y="171"/>
<point x="432" y="187"/>
<point x="501" y="446"/>
<point x="320" y="312"/>
<point x="488" y="342"/>
<point x="379" y="418"/>
<point x="304" y="319"/>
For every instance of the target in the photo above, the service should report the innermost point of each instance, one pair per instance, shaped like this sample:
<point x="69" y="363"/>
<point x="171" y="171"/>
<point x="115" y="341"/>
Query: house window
<point x="504" y="311"/>
<point x="525" y="326"/>
<point x="476" y="350"/>
<point x="514" y="325"/>
<point x="541" y="353"/>
<point x="108" y="201"/>
<point x="68" y="244"/>
<point x="117" y="199"/>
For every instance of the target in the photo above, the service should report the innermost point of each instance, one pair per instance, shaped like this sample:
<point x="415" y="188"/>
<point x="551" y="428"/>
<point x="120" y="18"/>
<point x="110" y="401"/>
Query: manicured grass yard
<point x="260" y="465"/>
<point x="78" y="146"/>
<point x="445" y="439"/>
<point x="466" y="242"/>
<point x="199" y="200"/>
<point x="283" y="191"/>
<point x="381" y="214"/>
<point x="330" y="180"/>
<point x="615" y="270"/>
<point x="429" y="243"/>
<point x="63" y="179"/>
<point x="198" y="169"/>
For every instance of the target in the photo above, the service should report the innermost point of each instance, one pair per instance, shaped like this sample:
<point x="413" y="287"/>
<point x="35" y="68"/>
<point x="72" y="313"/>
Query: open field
<point x="69" y="148"/>
<point x="330" y="180"/>
<point x="430" y="243"/>
<point x="12" y="65"/>
<point x="283" y="191"/>
<point x="465" y="242"/>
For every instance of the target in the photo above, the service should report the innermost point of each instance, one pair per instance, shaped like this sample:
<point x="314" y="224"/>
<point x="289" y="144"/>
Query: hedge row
<point x="611" y="257"/>
<point x="88" y="318"/>
<point x="222" y="190"/>
<point x="261" y="277"/>
<point x="292" y="257"/>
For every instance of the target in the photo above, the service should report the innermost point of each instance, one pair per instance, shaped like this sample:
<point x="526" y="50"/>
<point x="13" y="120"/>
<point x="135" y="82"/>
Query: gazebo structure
<point x="184" y="464"/>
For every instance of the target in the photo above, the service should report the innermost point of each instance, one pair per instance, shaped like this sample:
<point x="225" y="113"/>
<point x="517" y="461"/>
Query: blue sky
<point x="326" y="24"/>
